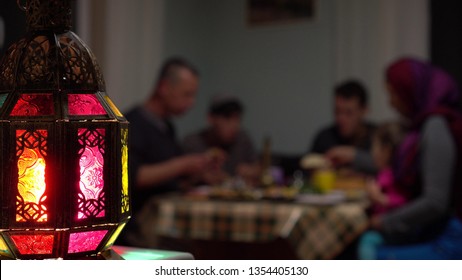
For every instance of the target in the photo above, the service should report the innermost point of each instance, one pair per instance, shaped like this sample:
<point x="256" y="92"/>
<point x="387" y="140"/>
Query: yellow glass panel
<point x="113" y="106"/>
<point x="4" y="250"/>
<point x="31" y="177"/>
<point x="125" y="202"/>
<point x="114" y="236"/>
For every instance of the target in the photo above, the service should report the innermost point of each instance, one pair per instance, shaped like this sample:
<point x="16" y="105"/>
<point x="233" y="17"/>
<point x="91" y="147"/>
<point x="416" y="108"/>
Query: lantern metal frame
<point x="38" y="76"/>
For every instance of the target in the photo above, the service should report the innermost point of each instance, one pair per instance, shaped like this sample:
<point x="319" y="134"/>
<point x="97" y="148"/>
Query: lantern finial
<point x="48" y="14"/>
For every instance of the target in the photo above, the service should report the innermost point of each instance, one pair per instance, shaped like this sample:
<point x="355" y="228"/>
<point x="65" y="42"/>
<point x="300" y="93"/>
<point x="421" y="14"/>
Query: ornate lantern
<point x="64" y="179"/>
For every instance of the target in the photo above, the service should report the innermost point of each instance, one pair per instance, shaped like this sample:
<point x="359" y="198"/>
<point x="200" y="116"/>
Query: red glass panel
<point x="84" y="104"/>
<point x="31" y="149"/>
<point x="34" y="105"/>
<point x="33" y="244"/>
<point x="85" y="241"/>
<point x="91" y="198"/>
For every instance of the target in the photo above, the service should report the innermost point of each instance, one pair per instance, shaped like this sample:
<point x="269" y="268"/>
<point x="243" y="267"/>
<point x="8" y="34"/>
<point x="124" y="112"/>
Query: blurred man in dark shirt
<point x="351" y="132"/>
<point x="156" y="159"/>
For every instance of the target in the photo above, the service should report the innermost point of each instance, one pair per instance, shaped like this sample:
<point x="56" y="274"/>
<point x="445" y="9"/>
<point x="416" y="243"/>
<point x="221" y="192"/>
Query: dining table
<point x="248" y="229"/>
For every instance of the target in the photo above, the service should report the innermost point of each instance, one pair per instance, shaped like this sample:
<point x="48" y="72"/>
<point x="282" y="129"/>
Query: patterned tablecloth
<point x="314" y="232"/>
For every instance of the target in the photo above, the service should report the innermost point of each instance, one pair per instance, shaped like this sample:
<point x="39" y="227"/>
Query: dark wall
<point x="14" y="20"/>
<point x="446" y="36"/>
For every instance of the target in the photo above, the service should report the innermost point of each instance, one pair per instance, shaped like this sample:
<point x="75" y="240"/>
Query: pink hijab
<point x="427" y="91"/>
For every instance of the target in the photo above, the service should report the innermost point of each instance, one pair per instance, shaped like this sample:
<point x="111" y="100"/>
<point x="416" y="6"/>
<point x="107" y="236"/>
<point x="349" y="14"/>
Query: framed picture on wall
<point x="264" y="12"/>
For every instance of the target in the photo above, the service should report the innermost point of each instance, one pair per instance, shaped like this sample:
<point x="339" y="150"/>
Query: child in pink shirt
<point x="383" y="192"/>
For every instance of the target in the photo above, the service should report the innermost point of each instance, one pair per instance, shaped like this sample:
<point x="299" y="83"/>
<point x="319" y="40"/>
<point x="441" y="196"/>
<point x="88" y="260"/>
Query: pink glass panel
<point x="30" y="203"/>
<point x="33" y="244"/>
<point x="85" y="241"/>
<point x="91" y="200"/>
<point x="34" y="105"/>
<point x="84" y="104"/>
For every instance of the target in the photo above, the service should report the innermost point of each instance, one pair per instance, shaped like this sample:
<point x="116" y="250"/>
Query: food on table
<point x="315" y="161"/>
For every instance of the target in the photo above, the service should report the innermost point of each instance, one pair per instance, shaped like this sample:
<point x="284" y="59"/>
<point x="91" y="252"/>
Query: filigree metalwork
<point x="50" y="60"/>
<point x="9" y="64"/>
<point x="92" y="138"/>
<point x="38" y="64"/>
<point x="31" y="148"/>
<point x="35" y="139"/>
<point x="91" y="208"/>
<point x="36" y="61"/>
<point x="30" y="211"/>
<point x="77" y="61"/>
<point x="51" y="14"/>
<point x="91" y="198"/>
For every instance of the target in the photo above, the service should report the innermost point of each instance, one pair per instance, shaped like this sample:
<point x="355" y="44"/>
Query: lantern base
<point x="105" y="255"/>
<point x="109" y="254"/>
<point x="130" y="253"/>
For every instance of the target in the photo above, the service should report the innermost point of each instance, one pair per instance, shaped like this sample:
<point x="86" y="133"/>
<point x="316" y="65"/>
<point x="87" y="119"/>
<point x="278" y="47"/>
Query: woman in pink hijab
<point x="427" y="169"/>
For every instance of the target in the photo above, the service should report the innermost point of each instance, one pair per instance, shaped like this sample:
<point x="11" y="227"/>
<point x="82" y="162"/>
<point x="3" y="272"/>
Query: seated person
<point x="224" y="137"/>
<point x="383" y="192"/>
<point x="428" y="164"/>
<point x="156" y="159"/>
<point x="351" y="134"/>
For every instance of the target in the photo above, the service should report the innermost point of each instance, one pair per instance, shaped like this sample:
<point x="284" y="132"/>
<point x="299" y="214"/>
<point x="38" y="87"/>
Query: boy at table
<point x="350" y="136"/>
<point x="225" y="137"/>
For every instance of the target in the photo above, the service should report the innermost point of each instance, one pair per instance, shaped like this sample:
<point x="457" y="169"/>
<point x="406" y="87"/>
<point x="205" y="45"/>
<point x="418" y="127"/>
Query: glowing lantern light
<point x="64" y="161"/>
